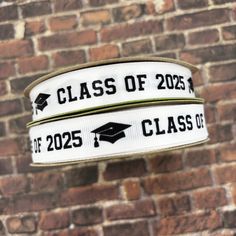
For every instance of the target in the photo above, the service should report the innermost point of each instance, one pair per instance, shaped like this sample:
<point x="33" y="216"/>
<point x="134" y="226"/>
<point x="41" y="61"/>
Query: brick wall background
<point x="191" y="191"/>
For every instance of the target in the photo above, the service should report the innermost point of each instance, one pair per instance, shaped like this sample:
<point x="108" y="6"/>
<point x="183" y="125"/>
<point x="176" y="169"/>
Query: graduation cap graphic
<point x="110" y="132"/>
<point x="190" y="85"/>
<point x="41" y="101"/>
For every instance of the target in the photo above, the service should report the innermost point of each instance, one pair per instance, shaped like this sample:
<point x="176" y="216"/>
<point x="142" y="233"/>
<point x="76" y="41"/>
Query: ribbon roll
<point x="103" y="85"/>
<point x="113" y="134"/>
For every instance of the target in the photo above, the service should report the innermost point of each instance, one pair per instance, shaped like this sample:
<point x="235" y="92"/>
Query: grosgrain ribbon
<point x="111" y="84"/>
<point x="144" y="129"/>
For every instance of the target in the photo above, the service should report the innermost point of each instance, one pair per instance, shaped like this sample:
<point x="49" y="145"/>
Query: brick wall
<point x="190" y="191"/>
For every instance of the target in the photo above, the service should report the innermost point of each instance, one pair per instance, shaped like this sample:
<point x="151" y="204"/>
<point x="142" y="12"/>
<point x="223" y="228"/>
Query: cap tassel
<point x="96" y="144"/>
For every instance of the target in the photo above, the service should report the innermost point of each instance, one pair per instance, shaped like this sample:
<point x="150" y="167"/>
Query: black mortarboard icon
<point x="41" y="101"/>
<point x="190" y="85"/>
<point x="110" y="132"/>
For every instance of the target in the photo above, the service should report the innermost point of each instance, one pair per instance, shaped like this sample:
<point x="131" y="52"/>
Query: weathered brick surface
<point x="176" y="205"/>
<point x="177" y="181"/>
<point x="187" y="224"/>
<point x="54" y="220"/>
<point x="66" y="58"/>
<point x="6" y="31"/>
<point x="117" y="170"/>
<point x="67" y="40"/>
<point x="15" y="48"/>
<point x="135" y="209"/>
<point x="104" y="52"/>
<point x="132" y="189"/>
<point x="194" y="20"/>
<point x="185" y="192"/>
<point x="137" y="47"/>
<point x="210" y="198"/>
<point x="132" y="229"/>
<point x="32" y="64"/>
<point x="14" y="185"/>
<point x="63" y="23"/>
<point x="87" y="216"/>
<point x="25" y="224"/>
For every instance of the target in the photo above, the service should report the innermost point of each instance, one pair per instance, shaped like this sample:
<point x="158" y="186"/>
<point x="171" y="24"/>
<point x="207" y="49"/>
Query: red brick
<point x="198" y="19"/>
<point x="168" y="162"/>
<point x="226" y="111"/>
<point x="7" y="69"/>
<point x="8" y="13"/>
<point x="4" y="206"/>
<point x="176" y="205"/>
<point x="3" y="88"/>
<point x="33" y="202"/>
<point x="229" y="219"/>
<point x="196" y="158"/>
<point x="14" y="185"/>
<point x="32" y="9"/>
<point x="209" y="54"/>
<point x="139" y="228"/>
<point x="104" y="52"/>
<point x="2" y="126"/>
<point x="67" y="40"/>
<point x="63" y="23"/>
<point x="18" y="125"/>
<point x="220" y="133"/>
<point x="21" y="224"/>
<point x="233" y="192"/>
<point x="171" y="41"/>
<point x="210" y="113"/>
<point x="66" y="58"/>
<point x="95" y="17"/>
<point x="121" y="169"/>
<point x="54" y="220"/>
<point x="23" y="164"/>
<point x="225" y="174"/>
<point x="33" y="64"/>
<point x="218" y="92"/>
<point x="126" y="13"/>
<point x="98" y="3"/>
<point x="48" y="182"/>
<point x="137" y="209"/>
<point x="19" y="84"/>
<point x="136" y="47"/>
<point x="187" y="223"/>
<point x="204" y="37"/>
<point x="228" y="152"/>
<point x="132" y="189"/>
<point x="87" y="216"/>
<point x="80" y="231"/>
<point x="6" y="166"/>
<point x="172" y="182"/>
<point x="67" y="5"/>
<point x="124" y="31"/>
<point x="10" y="107"/>
<point x="222" y="72"/>
<point x="15" y="48"/>
<point x="165" y="6"/>
<point x="209" y="198"/>
<point x="81" y="176"/>
<point x="10" y="147"/>
<point x="6" y="31"/>
<point x="34" y="27"/>
<point x="198" y="78"/>
<point x="192" y="4"/>
<point x="89" y="194"/>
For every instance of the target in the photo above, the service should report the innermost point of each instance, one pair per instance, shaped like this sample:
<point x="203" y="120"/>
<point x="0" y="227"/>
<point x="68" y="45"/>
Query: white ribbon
<point x="113" y="134"/>
<point x="109" y="85"/>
